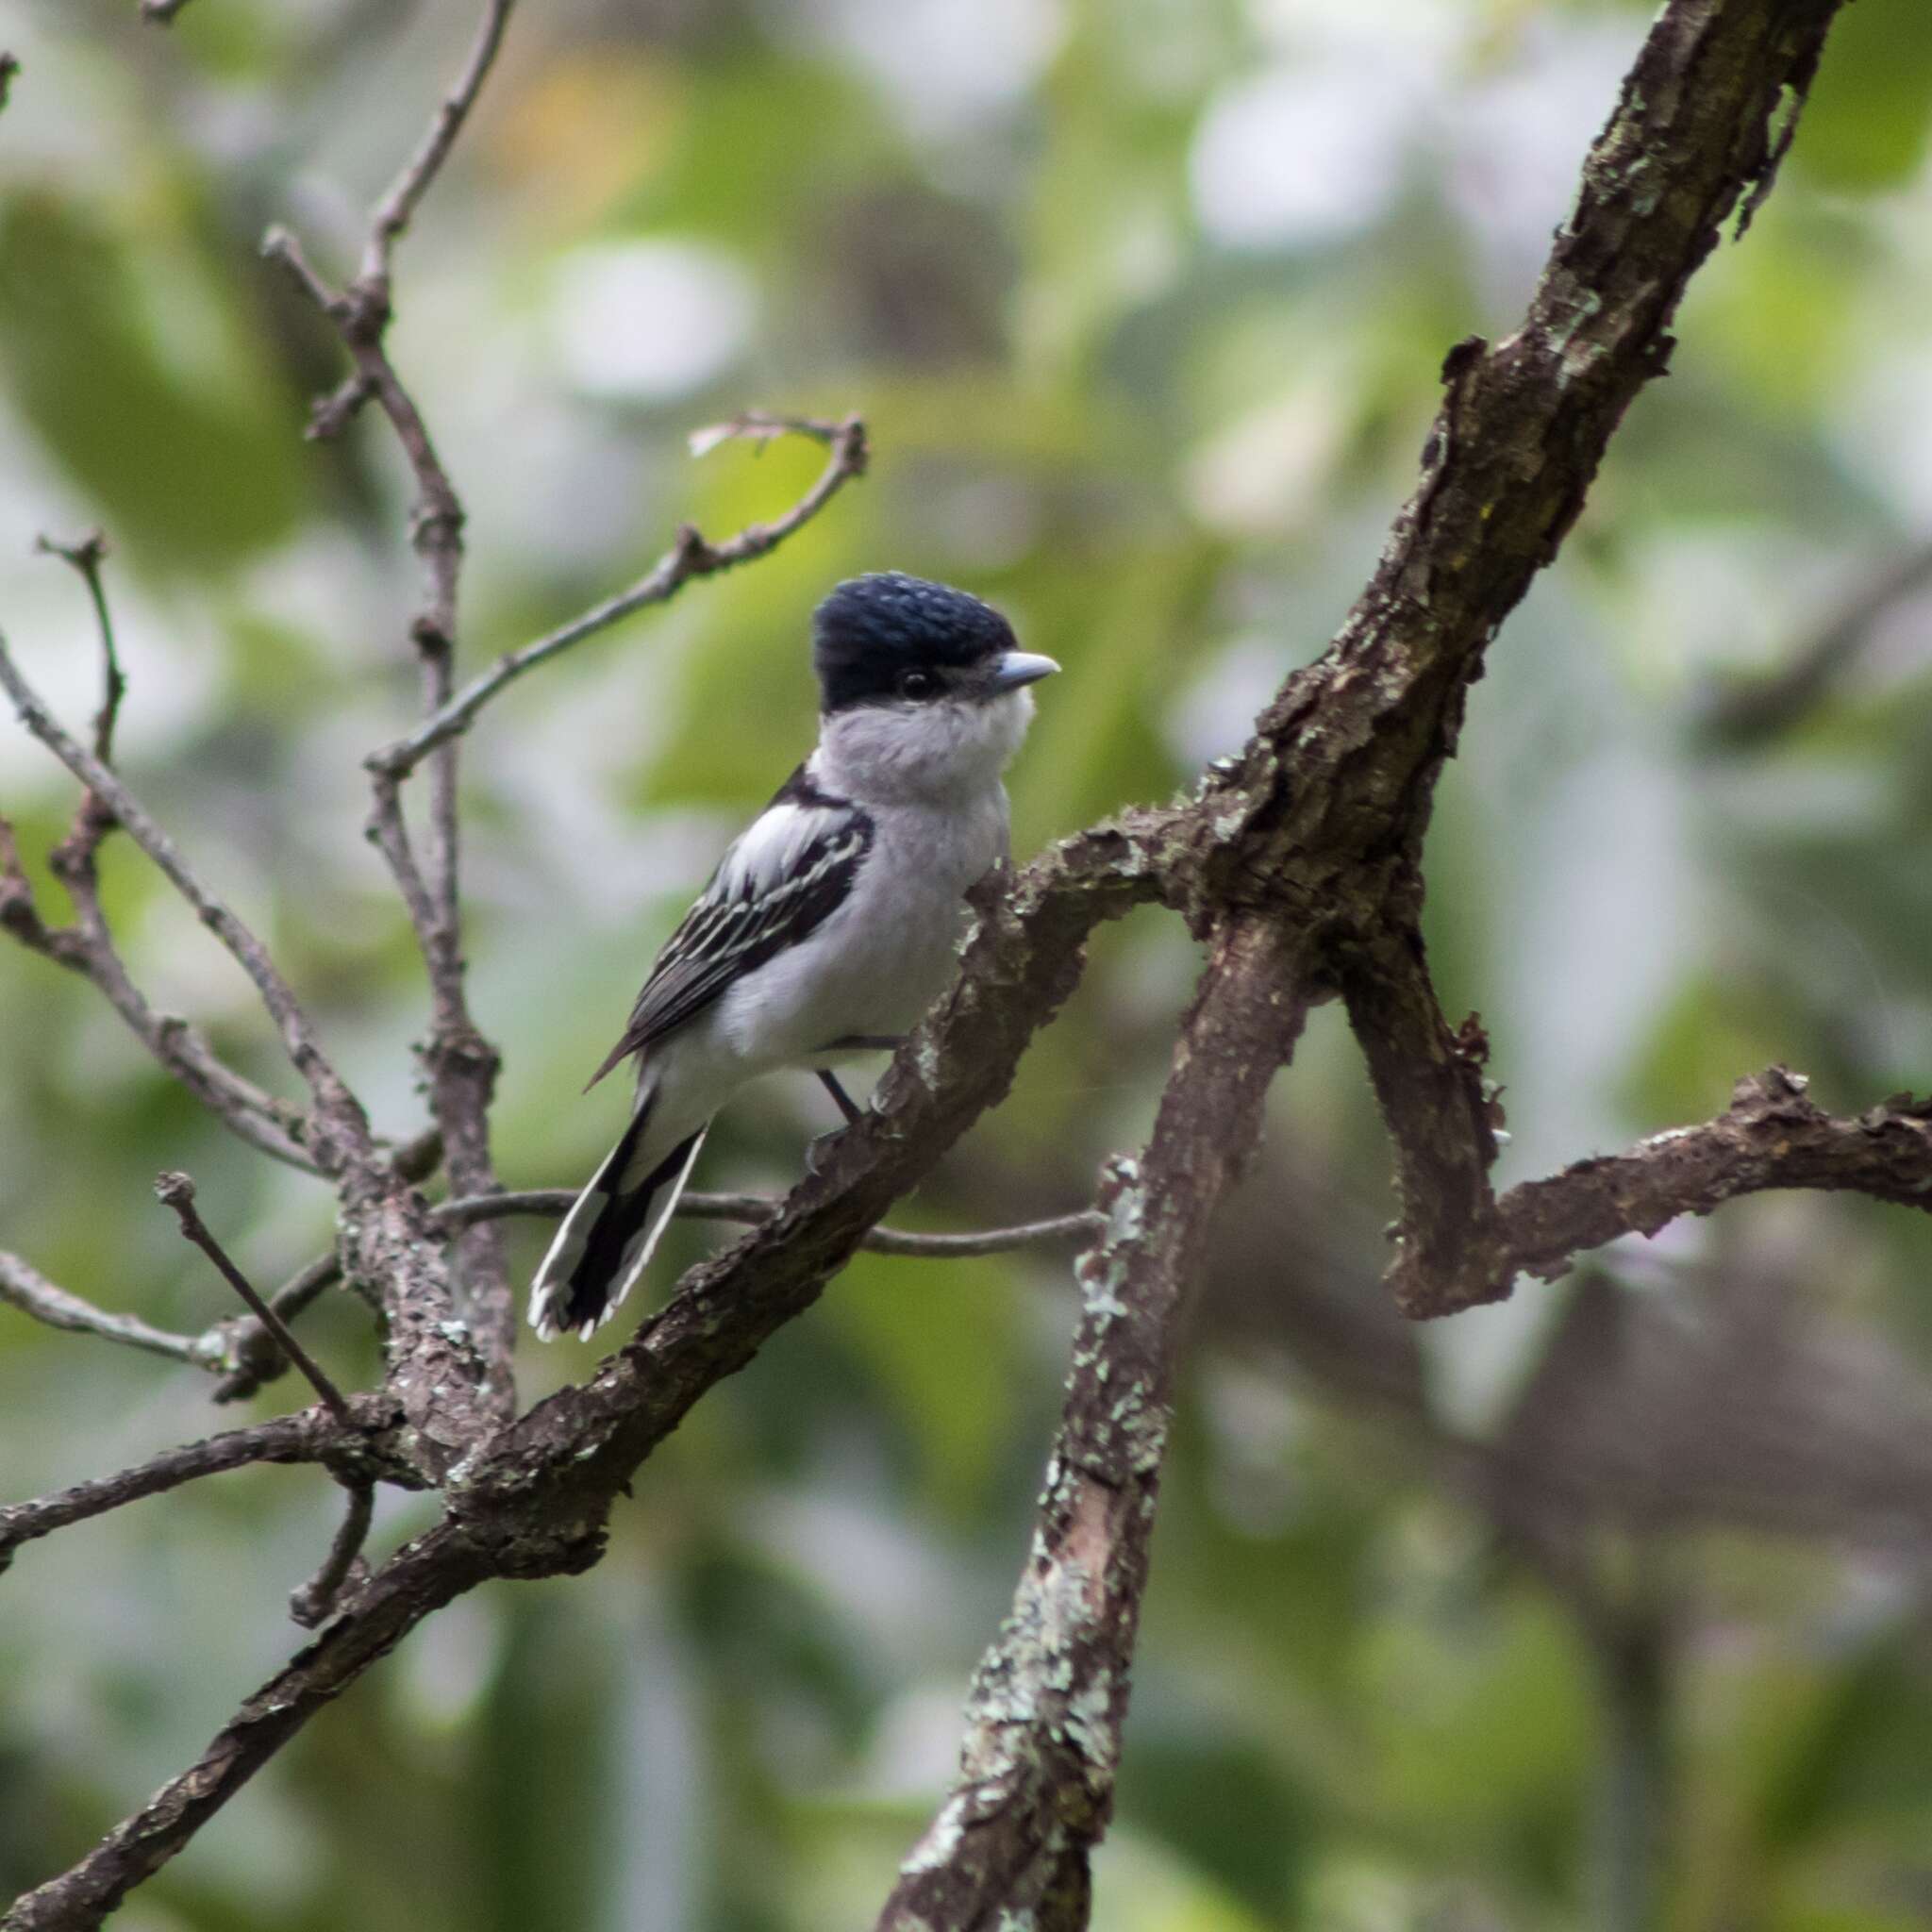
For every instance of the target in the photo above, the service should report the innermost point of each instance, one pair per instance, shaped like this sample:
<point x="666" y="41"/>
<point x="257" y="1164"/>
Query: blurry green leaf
<point x="941" y="1342"/>
<point x="1868" y="119"/>
<point x="183" y="467"/>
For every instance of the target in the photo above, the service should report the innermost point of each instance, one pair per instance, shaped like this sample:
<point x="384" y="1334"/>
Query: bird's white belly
<point x="877" y="962"/>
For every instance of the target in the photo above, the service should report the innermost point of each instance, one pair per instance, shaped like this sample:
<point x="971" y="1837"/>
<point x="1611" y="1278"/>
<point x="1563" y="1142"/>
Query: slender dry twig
<point x="307" y="1437"/>
<point x="689" y="558"/>
<point x="460" y="1062"/>
<point x="394" y="212"/>
<point x="175" y="1191"/>
<point x="755" y="1209"/>
<point x="316" y="1598"/>
<point x="344" y="1112"/>
<point x="252" y="1348"/>
<point x="88" y="948"/>
<point x="32" y="1293"/>
<point x="87" y="557"/>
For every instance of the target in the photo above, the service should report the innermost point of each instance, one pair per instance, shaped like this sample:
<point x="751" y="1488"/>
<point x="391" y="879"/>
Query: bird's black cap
<point x="871" y="630"/>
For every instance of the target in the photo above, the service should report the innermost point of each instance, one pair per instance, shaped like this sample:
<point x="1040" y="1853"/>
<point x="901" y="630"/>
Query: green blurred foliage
<point x="1144" y="303"/>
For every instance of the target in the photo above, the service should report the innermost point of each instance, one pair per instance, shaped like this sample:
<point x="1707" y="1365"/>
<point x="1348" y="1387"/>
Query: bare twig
<point x="87" y="556"/>
<point x="175" y="1191"/>
<point x="344" y="1112"/>
<point x="252" y="1348"/>
<point x="9" y="66"/>
<point x="31" y="1292"/>
<point x="393" y="213"/>
<point x="88" y="948"/>
<point x="755" y="1209"/>
<point x="272" y="1125"/>
<point x="306" y="1437"/>
<point x="314" y="1601"/>
<point x="460" y="1062"/>
<point x="689" y="556"/>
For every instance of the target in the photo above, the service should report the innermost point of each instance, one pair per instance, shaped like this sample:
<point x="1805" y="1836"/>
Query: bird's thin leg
<point x="846" y="1105"/>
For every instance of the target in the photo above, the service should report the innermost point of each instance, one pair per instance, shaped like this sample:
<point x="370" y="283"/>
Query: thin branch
<point x="307" y="1437"/>
<point x="343" y="1112"/>
<point x="690" y="557"/>
<point x="252" y="1349"/>
<point x="177" y="1191"/>
<point x="459" y="1063"/>
<point x="394" y="212"/>
<point x="270" y="1125"/>
<point x="9" y="66"/>
<point x="552" y="1204"/>
<point x="318" y="1597"/>
<point x="32" y="1293"/>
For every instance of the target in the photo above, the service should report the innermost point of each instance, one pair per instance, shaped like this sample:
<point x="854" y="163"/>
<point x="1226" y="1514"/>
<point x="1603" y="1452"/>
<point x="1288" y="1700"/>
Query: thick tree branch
<point x="1043" y="1721"/>
<point x="688" y="558"/>
<point x="419" y="1579"/>
<point x="1441" y="1113"/>
<point x="1772" y="1136"/>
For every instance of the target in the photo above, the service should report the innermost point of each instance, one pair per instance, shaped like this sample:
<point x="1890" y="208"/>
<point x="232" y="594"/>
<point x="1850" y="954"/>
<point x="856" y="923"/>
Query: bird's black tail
<point x="607" y="1238"/>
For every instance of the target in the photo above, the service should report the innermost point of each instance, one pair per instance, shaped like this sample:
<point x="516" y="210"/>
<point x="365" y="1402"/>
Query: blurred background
<point x="1606" y="1609"/>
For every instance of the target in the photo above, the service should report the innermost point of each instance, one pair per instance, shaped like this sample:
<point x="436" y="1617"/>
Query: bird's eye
<point x="917" y="684"/>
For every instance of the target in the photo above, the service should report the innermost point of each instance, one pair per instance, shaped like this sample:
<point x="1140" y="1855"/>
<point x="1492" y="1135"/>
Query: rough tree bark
<point x="1298" y="860"/>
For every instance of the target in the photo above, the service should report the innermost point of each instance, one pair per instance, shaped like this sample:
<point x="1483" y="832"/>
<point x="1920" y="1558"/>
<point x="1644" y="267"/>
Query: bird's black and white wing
<point x="790" y="870"/>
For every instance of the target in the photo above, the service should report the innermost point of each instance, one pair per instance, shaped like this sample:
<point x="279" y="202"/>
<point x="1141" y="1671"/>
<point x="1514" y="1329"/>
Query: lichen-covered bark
<point x="1044" y="1717"/>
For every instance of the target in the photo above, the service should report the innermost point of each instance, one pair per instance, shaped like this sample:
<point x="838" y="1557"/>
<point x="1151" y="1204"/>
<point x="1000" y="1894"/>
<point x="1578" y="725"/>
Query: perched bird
<point x="830" y="923"/>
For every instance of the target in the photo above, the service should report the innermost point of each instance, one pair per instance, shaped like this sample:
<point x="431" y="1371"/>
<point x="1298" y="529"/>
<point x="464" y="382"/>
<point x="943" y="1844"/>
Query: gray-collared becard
<point x="831" y="922"/>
